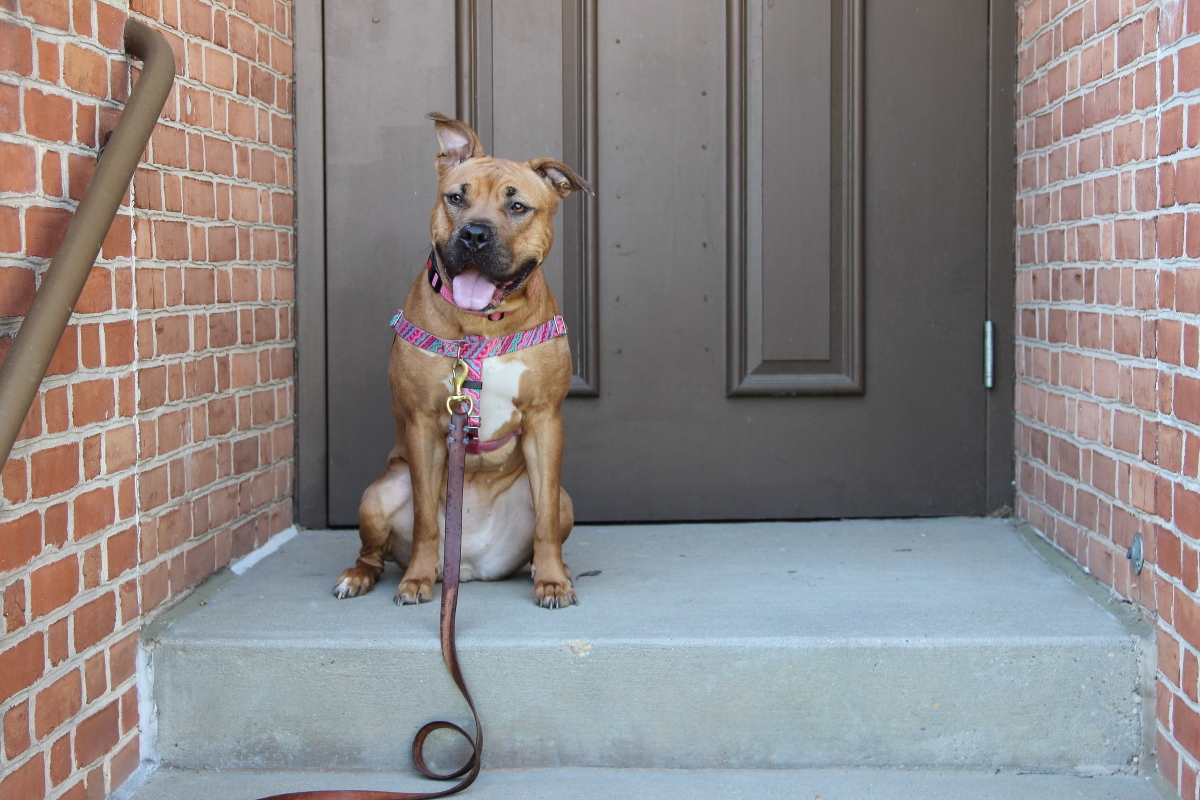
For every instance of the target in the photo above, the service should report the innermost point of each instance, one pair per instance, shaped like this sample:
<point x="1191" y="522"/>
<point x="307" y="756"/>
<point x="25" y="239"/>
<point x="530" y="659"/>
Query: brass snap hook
<point x="457" y="379"/>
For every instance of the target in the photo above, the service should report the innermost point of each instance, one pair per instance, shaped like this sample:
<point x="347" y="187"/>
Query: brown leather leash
<point x="458" y="439"/>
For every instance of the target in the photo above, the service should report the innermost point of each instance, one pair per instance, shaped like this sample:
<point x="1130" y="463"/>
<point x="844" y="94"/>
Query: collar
<point x="439" y="286"/>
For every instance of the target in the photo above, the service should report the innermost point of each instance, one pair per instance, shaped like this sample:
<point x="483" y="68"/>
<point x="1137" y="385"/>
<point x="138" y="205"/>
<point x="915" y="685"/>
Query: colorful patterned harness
<point x="473" y="350"/>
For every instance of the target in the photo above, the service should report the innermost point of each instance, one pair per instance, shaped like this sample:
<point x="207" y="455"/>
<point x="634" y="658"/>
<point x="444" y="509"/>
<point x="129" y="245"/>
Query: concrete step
<point x="946" y="643"/>
<point x="597" y="783"/>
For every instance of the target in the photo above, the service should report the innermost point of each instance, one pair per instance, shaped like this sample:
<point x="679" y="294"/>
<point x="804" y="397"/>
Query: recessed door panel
<point x="791" y="46"/>
<point x="383" y="71"/>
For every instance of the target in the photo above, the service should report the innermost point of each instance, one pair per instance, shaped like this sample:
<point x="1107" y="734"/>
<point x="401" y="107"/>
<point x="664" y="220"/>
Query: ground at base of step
<point x="597" y="783"/>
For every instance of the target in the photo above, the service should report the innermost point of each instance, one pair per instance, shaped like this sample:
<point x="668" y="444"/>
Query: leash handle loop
<point x="452" y="559"/>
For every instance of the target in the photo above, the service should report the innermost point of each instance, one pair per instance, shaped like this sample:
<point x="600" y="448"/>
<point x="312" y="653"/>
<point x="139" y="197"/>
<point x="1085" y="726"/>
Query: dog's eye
<point x="455" y="199"/>
<point x="519" y="208"/>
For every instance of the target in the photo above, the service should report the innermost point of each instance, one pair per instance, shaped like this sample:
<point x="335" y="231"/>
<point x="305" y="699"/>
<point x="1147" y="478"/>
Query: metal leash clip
<point x="457" y="379"/>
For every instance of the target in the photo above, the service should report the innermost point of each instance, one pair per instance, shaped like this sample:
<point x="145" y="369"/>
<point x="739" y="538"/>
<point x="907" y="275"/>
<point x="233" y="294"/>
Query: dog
<point x="492" y="228"/>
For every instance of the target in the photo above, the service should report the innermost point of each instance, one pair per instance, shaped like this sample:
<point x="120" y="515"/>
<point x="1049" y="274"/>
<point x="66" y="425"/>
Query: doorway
<point x="776" y="301"/>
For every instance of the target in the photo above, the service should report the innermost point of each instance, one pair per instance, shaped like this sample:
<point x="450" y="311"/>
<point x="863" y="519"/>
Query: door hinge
<point x="989" y="354"/>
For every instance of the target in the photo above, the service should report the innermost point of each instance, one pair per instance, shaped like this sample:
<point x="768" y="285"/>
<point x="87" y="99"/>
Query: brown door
<point x="776" y="301"/>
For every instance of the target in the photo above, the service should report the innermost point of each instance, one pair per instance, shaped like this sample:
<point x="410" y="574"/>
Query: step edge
<point x="1139" y="622"/>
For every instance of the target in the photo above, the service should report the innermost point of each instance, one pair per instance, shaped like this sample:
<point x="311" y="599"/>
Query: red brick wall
<point x="160" y="445"/>
<point x="1108" y="315"/>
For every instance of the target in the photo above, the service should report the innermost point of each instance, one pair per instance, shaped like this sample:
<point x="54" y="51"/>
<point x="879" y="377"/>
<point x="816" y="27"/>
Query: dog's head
<point x="492" y="224"/>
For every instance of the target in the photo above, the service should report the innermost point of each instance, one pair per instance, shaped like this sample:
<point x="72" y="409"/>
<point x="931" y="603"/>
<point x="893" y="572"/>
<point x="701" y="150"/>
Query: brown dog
<point x="492" y="228"/>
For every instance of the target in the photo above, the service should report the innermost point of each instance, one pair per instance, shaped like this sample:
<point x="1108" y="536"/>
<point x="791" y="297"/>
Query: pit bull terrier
<point x="492" y="227"/>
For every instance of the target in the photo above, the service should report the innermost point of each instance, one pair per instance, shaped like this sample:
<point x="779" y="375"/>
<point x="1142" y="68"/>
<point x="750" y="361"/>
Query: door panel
<point x="535" y="61"/>
<point x="794" y="209"/>
<point x="788" y="47"/>
<point x="775" y="301"/>
<point x="527" y="84"/>
<point x="381" y="77"/>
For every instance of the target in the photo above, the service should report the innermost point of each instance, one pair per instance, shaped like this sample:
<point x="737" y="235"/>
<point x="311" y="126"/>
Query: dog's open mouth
<point x="475" y="291"/>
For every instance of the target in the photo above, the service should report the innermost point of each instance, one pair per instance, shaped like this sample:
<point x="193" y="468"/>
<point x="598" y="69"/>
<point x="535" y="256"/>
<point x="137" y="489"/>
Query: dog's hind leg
<point x="382" y="510"/>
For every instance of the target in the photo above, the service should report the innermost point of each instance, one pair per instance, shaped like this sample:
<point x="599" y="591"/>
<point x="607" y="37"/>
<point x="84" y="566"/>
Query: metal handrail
<point x="39" y="334"/>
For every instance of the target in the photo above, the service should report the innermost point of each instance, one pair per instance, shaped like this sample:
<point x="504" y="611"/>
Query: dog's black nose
<point x="475" y="236"/>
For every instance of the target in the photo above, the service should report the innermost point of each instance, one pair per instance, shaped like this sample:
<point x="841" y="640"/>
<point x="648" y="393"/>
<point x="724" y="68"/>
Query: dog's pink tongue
<point x="473" y="290"/>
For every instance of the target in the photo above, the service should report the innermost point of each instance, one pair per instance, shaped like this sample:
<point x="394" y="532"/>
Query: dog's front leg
<point x="542" y="446"/>
<point x="427" y="468"/>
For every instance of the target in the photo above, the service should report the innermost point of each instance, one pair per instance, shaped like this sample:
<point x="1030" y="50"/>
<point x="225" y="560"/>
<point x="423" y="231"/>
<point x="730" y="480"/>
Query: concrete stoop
<point x="701" y="656"/>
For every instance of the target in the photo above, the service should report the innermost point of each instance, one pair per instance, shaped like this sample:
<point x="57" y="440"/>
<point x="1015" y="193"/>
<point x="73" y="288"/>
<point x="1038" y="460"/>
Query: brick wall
<point x="1108" y="315"/>
<point x="160" y="445"/>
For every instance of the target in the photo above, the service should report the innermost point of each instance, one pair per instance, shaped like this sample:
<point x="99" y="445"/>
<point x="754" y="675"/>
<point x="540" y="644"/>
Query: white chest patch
<point x="501" y="384"/>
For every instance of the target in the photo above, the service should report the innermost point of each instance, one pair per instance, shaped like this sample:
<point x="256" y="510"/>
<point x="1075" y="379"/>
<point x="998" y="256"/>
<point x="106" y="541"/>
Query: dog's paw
<point x="554" y="594"/>
<point x="413" y="591"/>
<point x="353" y="582"/>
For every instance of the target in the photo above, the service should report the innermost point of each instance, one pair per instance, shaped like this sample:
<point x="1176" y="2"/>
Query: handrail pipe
<point x="40" y="332"/>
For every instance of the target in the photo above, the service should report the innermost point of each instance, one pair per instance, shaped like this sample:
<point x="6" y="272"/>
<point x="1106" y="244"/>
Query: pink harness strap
<point x="473" y="350"/>
<point x="477" y="446"/>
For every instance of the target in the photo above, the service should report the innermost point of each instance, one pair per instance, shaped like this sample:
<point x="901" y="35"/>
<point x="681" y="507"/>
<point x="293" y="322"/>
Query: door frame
<point x="311" y="476"/>
<point x="310" y="503"/>
<point x="1001" y="250"/>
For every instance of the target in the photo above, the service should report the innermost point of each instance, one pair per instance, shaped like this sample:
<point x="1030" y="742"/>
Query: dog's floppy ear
<point x="456" y="140"/>
<point x="561" y="177"/>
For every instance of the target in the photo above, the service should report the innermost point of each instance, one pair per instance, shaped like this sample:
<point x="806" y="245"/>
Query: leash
<point x="466" y="376"/>
<point x="460" y="435"/>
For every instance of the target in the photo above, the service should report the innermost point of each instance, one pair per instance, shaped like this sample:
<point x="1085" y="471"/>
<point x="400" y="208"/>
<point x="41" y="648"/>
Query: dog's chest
<point x="498" y="398"/>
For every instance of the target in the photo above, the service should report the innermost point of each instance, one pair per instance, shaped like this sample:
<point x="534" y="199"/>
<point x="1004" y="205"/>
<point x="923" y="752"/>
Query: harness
<point x="470" y="352"/>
